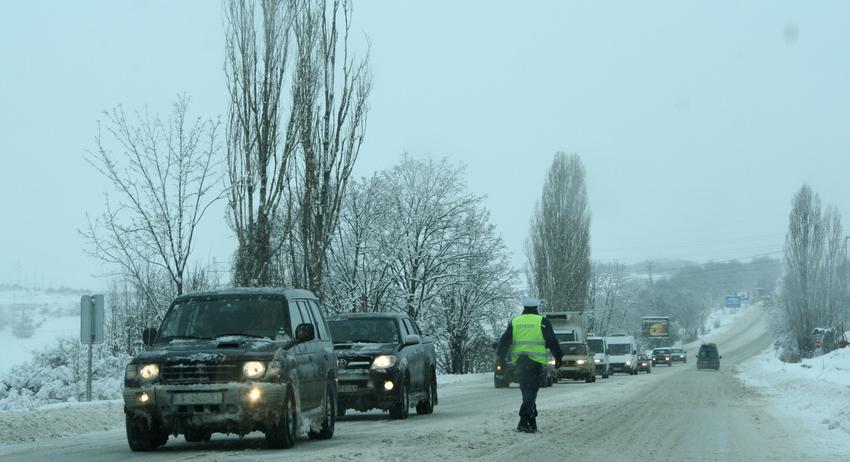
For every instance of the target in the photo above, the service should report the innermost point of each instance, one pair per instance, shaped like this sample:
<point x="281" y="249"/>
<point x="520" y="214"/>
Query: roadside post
<point x="91" y="330"/>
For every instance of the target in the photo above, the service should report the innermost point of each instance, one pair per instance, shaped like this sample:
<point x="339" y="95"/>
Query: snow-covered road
<point x="673" y="414"/>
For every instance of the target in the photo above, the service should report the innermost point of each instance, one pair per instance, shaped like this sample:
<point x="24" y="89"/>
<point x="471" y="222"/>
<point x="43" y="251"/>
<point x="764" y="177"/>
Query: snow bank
<point x="814" y="391"/>
<point x="451" y="379"/>
<point x="59" y="420"/>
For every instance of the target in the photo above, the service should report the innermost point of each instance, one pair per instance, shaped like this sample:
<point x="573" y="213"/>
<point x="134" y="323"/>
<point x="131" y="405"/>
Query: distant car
<point x="678" y="354"/>
<point x="644" y="364"/>
<point x="661" y="356"/>
<point x="708" y="357"/>
<point x="577" y="362"/>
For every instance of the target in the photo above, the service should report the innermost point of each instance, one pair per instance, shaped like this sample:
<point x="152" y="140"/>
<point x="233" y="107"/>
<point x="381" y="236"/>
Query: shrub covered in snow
<point x="58" y="374"/>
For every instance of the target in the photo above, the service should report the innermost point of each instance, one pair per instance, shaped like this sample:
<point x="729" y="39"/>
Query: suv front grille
<point x="184" y="374"/>
<point x="354" y="362"/>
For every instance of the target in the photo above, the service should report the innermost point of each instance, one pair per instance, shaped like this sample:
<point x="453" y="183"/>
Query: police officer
<point x="528" y="336"/>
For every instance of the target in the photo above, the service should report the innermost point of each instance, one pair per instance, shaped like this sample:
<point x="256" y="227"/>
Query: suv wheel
<point x="140" y="438"/>
<point x="329" y="420"/>
<point x="426" y="406"/>
<point x="282" y="434"/>
<point x="402" y="408"/>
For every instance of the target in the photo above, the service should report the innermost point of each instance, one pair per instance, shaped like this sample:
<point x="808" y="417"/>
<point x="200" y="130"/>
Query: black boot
<point x="532" y="424"/>
<point x="524" y="426"/>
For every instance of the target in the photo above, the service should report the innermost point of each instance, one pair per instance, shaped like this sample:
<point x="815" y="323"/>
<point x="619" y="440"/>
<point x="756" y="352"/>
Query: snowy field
<point x="815" y="392"/>
<point x="52" y="314"/>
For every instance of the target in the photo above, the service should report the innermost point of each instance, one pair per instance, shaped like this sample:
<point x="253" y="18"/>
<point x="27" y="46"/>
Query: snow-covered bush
<point x="58" y="374"/>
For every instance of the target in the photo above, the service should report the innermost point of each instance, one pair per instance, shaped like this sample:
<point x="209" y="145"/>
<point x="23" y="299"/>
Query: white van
<point x="599" y="347"/>
<point x="622" y="354"/>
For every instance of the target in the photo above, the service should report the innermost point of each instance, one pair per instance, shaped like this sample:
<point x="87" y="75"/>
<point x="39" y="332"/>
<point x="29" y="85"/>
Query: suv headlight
<point x="253" y="369"/>
<point x="384" y="362"/>
<point x="552" y="362"/>
<point x="597" y="361"/>
<point x="581" y="362"/>
<point x="149" y="371"/>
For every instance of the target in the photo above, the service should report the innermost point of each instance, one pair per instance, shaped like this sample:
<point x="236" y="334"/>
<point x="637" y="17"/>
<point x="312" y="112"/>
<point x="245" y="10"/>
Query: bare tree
<point x="331" y="89"/>
<point x="559" y="237"/>
<point x="165" y="174"/>
<point x="428" y="198"/>
<point x="608" y="296"/>
<point x="482" y="292"/>
<point x="261" y="142"/>
<point x="289" y="174"/>
<point x="358" y="270"/>
<point x="814" y="284"/>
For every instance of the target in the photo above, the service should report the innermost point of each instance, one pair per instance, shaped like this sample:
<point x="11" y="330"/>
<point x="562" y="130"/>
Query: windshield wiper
<point x="360" y="340"/>
<point x="240" y="334"/>
<point x="183" y="337"/>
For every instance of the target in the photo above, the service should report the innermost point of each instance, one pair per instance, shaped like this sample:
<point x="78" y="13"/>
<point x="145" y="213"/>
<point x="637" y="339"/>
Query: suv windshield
<point x="595" y="345"/>
<point x="208" y="319"/>
<point x="375" y="330"/>
<point x="574" y="349"/>
<point x="661" y="351"/>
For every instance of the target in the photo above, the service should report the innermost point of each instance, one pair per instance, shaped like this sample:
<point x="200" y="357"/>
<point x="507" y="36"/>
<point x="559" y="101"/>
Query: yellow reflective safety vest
<point x="528" y="338"/>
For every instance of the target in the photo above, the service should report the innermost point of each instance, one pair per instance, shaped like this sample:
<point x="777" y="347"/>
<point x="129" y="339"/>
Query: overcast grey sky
<point x="696" y="122"/>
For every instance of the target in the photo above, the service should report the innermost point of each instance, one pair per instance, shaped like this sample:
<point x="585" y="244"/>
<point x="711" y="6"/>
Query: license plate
<point x="196" y="398"/>
<point x="348" y="388"/>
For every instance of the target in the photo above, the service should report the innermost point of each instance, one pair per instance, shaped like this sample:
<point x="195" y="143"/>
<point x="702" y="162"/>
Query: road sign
<point x="91" y="329"/>
<point x="91" y="319"/>
<point x="733" y="301"/>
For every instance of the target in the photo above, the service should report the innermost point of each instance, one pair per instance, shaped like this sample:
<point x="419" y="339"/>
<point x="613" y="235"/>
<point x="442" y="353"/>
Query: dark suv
<point x="384" y="362"/>
<point x="708" y="357"/>
<point x="234" y="361"/>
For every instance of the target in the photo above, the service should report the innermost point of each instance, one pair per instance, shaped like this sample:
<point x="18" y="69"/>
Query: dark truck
<point x="234" y="361"/>
<point x="384" y="362"/>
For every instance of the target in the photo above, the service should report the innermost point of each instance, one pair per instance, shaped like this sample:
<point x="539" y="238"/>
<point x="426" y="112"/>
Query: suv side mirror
<point x="411" y="340"/>
<point x="148" y="336"/>
<point x="305" y="333"/>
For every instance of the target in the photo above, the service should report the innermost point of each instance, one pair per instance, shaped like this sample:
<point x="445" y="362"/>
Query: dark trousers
<point x="529" y="373"/>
